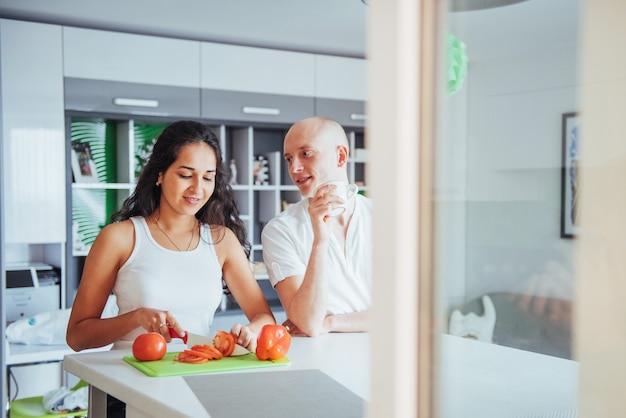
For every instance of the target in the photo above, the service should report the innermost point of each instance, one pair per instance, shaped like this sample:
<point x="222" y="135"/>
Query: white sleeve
<point x="283" y="253"/>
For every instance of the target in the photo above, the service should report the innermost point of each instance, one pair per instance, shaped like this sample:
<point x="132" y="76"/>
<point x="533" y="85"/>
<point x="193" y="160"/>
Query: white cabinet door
<point x="341" y="89"/>
<point x="340" y="78"/>
<point x="33" y="140"/>
<point x="114" y="56"/>
<point x="257" y="70"/>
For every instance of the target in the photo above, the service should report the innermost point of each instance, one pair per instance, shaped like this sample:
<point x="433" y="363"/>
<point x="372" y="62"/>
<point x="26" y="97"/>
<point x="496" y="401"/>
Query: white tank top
<point x="186" y="283"/>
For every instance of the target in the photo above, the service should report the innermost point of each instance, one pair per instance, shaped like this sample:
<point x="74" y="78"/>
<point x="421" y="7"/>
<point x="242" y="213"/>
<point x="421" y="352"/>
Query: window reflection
<point x="504" y="271"/>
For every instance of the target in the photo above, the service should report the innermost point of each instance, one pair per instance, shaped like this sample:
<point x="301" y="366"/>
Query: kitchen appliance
<point x="31" y="288"/>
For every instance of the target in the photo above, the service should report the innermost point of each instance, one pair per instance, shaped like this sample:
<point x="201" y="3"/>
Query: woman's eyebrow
<point x="214" y="170"/>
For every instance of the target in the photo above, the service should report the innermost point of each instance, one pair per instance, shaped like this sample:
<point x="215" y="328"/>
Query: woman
<point x="175" y="238"/>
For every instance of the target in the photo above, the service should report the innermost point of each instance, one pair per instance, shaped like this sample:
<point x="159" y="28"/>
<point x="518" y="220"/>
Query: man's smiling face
<point x="311" y="156"/>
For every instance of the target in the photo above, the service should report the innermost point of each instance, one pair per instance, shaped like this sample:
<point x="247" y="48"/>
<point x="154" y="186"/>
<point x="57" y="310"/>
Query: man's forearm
<point x="308" y="306"/>
<point x="348" y="322"/>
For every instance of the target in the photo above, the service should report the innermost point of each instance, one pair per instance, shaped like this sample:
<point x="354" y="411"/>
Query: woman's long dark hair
<point x="221" y="209"/>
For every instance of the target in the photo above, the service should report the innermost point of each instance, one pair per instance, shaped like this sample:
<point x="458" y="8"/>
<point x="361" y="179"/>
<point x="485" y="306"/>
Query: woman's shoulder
<point x="220" y="233"/>
<point x="117" y="231"/>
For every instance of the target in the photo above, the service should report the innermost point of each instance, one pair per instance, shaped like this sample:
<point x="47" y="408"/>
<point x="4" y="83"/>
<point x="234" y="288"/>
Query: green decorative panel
<point x="89" y="216"/>
<point x="102" y="139"/>
<point x="92" y="206"/>
<point x="146" y="135"/>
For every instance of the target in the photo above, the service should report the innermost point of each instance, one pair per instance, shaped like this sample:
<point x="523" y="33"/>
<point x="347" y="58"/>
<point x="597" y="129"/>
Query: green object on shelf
<point x="457" y="64"/>
<point x="145" y="135"/>
<point x="33" y="407"/>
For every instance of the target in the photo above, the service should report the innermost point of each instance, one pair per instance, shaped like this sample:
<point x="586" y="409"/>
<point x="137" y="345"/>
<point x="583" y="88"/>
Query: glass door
<point x="506" y="209"/>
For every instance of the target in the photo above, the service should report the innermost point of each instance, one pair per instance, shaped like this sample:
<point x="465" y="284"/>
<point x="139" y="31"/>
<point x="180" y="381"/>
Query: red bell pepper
<point x="273" y="342"/>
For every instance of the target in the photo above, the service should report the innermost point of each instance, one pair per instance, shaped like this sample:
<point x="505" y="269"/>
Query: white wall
<point x="512" y="235"/>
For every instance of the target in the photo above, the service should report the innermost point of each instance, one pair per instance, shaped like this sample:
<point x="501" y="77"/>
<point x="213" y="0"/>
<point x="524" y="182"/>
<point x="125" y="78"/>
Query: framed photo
<point x="83" y="166"/>
<point x="570" y="178"/>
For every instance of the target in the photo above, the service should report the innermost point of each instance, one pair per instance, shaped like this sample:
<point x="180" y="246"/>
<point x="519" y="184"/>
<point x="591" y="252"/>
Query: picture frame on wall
<point x="83" y="166"/>
<point x="570" y="175"/>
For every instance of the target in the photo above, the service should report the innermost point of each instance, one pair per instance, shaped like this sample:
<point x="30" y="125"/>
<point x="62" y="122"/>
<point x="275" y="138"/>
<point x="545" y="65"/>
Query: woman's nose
<point x="196" y="184"/>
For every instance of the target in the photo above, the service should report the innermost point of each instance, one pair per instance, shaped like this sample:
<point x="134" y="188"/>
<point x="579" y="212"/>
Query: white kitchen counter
<point x="474" y="379"/>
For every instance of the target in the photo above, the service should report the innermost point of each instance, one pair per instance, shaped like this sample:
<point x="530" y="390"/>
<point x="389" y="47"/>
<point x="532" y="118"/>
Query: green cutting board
<point x="168" y="367"/>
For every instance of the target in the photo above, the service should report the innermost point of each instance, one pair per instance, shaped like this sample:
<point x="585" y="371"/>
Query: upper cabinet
<point x="112" y="72"/>
<point x="114" y="56"/>
<point x="33" y="132"/>
<point x="341" y="89"/>
<point x="257" y="70"/>
<point x="125" y="73"/>
<point x="256" y="84"/>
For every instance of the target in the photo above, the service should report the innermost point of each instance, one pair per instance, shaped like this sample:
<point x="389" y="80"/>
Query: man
<point x="320" y="265"/>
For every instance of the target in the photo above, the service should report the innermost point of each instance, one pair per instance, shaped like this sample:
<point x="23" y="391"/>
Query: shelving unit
<point x="116" y="144"/>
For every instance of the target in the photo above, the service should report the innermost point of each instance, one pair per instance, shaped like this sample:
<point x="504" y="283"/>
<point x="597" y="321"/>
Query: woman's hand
<point x="154" y="320"/>
<point x="245" y="336"/>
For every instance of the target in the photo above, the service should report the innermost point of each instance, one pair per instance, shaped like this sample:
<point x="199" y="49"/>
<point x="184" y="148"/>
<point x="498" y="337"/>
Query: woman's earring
<point x="158" y="184"/>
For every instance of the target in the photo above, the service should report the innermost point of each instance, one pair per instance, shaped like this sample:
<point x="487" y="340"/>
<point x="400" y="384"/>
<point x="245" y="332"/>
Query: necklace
<point x="193" y="230"/>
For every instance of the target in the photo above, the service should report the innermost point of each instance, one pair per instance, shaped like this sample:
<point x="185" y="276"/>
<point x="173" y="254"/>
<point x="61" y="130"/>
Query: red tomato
<point x="273" y="342"/>
<point x="149" y="347"/>
<point x="224" y="342"/>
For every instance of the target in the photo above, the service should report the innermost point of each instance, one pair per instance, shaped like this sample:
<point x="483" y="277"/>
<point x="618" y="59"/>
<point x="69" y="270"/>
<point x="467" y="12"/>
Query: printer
<point x="31" y="288"/>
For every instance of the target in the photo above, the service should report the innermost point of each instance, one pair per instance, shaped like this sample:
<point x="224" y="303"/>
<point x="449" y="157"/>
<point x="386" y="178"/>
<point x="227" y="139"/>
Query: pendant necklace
<point x="156" y="221"/>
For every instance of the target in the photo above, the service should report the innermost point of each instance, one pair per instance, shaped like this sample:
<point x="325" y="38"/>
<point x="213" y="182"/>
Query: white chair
<point x="474" y="326"/>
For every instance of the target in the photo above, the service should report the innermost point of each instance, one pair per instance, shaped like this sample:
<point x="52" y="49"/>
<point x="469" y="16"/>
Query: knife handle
<point x="174" y="334"/>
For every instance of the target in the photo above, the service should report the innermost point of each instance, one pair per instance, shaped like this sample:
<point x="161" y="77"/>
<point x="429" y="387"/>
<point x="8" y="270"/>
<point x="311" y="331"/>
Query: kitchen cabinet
<point x="124" y="57"/>
<point x="341" y="89"/>
<point x="112" y="72"/>
<point x="250" y="84"/>
<point x="104" y="96"/>
<point x="33" y="178"/>
<point x="256" y="70"/>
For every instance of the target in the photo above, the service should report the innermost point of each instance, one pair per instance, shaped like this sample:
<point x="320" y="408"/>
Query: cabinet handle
<point x="357" y="116"/>
<point x="123" y="101"/>
<point x="260" y="110"/>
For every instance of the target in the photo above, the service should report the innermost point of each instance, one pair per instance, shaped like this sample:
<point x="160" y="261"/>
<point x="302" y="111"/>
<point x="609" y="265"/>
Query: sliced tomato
<point x="188" y="356"/>
<point x="207" y="351"/>
<point x="225" y="342"/>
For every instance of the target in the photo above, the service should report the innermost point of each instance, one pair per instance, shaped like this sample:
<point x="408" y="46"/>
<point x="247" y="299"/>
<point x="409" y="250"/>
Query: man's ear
<point x="342" y="155"/>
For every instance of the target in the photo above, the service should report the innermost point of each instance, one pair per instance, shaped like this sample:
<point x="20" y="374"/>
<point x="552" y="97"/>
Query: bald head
<point x="321" y="129"/>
